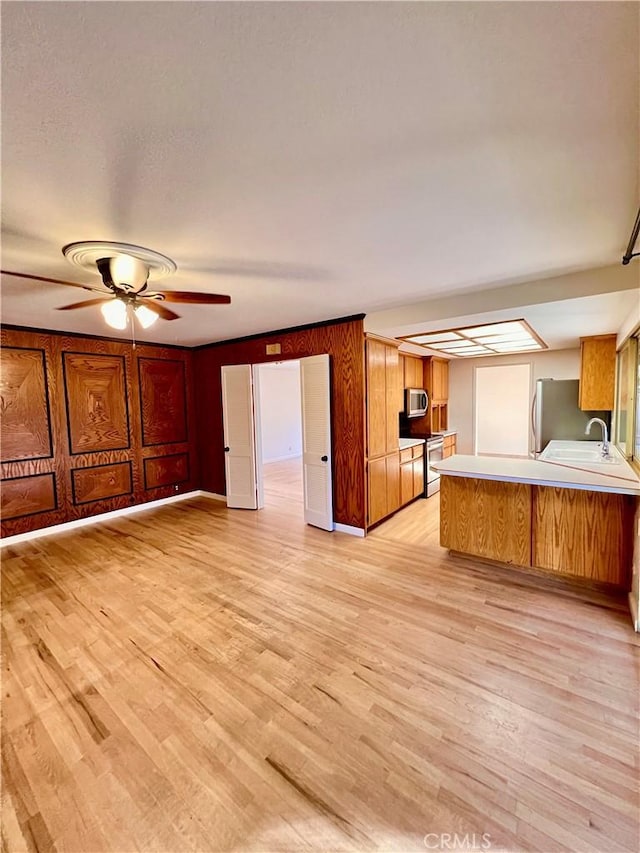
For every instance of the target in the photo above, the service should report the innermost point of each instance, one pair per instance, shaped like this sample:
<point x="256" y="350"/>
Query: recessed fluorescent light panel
<point x="512" y="336"/>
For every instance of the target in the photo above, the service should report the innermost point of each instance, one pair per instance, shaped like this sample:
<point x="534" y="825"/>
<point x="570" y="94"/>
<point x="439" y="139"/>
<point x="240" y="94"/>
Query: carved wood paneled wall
<point x="344" y="341"/>
<point x="91" y="425"/>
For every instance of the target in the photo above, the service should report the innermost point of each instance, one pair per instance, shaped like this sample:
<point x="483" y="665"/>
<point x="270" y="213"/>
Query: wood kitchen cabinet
<point x="439" y="390"/>
<point x="413" y="371"/>
<point x="449" y="445"/>
<point x="384" y="396"/>
<point x="384" y="487"/>
<point x="597" y="372"/>
<point x="411" y="473"/>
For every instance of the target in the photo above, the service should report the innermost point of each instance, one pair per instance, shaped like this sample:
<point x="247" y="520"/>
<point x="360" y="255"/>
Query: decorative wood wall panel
<point x="101" y="482"/>
<point x="587" y="534"/>
<point x="24" y="402"/>
<point x="96" y="428"/>
<point x="162" y="401"/>
<point x="28" y="496"/>
<point x="166" y="470"/>
<point x="344" y="342"/>
<point x="486" y="518"/>
<point x="97" y="408"/>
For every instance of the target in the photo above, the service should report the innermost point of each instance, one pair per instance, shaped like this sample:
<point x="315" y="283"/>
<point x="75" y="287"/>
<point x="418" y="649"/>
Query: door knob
<point x="324" y="458"/>
<point x="226" y="450"/>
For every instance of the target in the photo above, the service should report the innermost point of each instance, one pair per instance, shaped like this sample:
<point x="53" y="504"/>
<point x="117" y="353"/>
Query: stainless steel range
<point x="434" y="453"/>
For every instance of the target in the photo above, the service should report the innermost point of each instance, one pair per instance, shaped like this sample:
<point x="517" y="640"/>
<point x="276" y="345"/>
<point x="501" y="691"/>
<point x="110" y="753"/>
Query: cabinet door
<point x="376" y="399"/>
<point x="393" y="481"/>
<point x="440" y="379"/>
<point x="377" y="489"/>
<point x="418" y="477"/>
<point x="393" y="393"/>
<point x="413" y="373"/>
<point x="406" y="483"/>
<point x="597" y="373"/>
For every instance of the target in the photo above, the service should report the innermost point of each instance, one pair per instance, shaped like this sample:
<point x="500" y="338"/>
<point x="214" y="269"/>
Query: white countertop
<point x="403" y="443"/>
<point x="619" y="478"/>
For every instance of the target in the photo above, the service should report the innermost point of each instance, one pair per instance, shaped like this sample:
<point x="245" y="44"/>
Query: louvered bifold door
<point x="315" y="383"/>
<point x="239" y="437"/>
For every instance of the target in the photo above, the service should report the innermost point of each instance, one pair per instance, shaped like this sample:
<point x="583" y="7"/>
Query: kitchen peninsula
<point x="564" y="518"/>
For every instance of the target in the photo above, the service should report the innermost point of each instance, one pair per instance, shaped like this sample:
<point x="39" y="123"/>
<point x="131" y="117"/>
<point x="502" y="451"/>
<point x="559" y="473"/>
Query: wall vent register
<point x="510" y="336"/>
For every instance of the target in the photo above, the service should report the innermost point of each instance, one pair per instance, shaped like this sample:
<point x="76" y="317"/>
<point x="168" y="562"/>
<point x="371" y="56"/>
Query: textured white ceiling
<point x="322" y="158"/>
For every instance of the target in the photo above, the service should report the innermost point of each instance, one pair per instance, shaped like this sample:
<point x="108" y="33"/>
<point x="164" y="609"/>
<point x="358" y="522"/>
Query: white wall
<point x="554" y="364"/>
<point x="280" y="410"/>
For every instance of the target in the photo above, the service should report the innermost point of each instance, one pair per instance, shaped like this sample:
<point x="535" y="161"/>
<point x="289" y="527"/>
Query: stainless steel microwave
<point x="416" y="402"/>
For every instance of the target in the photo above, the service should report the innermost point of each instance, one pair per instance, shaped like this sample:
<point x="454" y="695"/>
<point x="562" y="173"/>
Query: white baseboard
<point x="633" y="607"/>
<point x="352" y="531"/>
<point x="215" y="497"/>
<point x="282" y="458"/>
<point x="103" y="516"/>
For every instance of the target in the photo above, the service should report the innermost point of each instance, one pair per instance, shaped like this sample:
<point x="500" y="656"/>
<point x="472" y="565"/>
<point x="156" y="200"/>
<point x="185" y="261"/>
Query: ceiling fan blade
<point x="52" y="280"/>
<point x="160" y="310"/>
<point x="191" y="296"/>
<point x="84" y="304"/>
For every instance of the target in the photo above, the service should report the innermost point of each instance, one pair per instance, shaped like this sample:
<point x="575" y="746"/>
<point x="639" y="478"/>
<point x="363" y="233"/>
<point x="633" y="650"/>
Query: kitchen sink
<point x="592" y="457"/>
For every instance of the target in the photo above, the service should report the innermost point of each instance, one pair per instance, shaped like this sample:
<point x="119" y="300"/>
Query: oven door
<point x="435" y="453"/>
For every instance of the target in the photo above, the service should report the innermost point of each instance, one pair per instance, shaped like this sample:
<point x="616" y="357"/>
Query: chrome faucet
<point x="605" y="439"/>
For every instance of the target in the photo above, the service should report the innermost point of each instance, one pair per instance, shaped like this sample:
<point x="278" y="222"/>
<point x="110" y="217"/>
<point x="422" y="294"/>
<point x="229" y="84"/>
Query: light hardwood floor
<point x="194" y="678"/>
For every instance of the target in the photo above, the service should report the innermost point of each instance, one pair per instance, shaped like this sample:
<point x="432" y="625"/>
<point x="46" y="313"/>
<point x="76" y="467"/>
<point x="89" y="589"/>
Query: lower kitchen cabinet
<point x="411" y="473"/>
<point x="449" y="445"/>
<point x="384" y="486"/>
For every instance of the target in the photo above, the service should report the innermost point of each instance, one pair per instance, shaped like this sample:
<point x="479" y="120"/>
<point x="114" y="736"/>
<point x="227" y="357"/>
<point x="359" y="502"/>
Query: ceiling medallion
<point x="86" y="254"/>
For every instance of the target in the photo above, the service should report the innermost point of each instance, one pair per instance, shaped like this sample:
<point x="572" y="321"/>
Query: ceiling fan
<point x="125" y="271"/>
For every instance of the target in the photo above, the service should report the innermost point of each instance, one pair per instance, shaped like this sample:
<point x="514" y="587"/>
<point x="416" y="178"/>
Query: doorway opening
<point x="245" y="406"/>
<point x="279" y="436"/>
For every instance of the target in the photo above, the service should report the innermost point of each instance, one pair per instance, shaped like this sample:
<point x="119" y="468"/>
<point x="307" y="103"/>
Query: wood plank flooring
<point x="195" y="678"/>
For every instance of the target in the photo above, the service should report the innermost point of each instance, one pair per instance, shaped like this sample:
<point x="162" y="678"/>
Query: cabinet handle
<point x="227" y="449"/>
<point x="324" y="458"/>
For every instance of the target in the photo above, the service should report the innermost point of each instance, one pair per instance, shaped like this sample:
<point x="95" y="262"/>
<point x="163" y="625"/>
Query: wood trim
<point x="392" y="342"/>
<point x="81" y="336"/>
<point x="450" y="356"/>
<point x="291" y="330"/>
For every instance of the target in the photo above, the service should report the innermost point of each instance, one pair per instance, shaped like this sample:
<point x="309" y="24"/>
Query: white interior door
<point x="239" y="437"/>
<point x="315" y="386"/>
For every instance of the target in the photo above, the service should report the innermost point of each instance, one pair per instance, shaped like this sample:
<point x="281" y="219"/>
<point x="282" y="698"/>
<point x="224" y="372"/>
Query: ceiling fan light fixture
<point x="145" y="317"/>
<point x="115" y="313"/>
<point x="128" y="271"/>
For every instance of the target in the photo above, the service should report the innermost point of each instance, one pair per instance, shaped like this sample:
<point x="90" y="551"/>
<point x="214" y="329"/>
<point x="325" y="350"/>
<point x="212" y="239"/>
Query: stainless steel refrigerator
<point x="555" y="414"/>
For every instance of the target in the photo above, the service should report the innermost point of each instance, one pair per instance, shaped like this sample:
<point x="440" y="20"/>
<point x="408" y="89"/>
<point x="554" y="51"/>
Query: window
<point x="627" y="414"/>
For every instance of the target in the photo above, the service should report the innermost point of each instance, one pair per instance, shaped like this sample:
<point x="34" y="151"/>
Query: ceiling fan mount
<point x="125" y="270"/>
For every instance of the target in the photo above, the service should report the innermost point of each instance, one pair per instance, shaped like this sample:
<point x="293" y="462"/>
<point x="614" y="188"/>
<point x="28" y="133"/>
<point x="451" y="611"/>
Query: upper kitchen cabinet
<point x="412" y="368"/>
<point x="597" y="372"/>
<point x="384" y="396"/>
<point x="436" y="380"/>
<point x="439" y="380"/>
